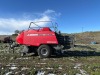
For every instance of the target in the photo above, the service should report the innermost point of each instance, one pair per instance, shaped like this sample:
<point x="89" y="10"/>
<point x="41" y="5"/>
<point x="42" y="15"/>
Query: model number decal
<point x="51" y="42"/>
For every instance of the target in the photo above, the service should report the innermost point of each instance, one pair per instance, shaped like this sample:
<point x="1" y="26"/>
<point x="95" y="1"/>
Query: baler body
<point x="37" y="37"/>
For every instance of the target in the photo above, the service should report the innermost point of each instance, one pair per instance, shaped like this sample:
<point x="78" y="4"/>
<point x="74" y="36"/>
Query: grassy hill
<point x="80" y="38"/>
<point x="13" y="36"/>
<point x="87" y="37"/>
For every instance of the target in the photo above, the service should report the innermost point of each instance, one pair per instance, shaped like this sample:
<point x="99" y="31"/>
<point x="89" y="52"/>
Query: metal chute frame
<point x="53" y="25"/>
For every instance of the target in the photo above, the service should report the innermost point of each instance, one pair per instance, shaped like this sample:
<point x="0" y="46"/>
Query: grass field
<point x="81" y="60"/>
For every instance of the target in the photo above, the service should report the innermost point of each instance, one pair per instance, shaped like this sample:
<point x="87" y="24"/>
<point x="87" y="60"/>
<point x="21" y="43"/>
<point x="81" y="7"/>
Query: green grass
<point x="57" y="65"/>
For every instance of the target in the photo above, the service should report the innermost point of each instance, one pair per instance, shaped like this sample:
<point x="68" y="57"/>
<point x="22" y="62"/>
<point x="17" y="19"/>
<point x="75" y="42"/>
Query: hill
<point x="87" y="37"/>
<point x="80" y="38"/>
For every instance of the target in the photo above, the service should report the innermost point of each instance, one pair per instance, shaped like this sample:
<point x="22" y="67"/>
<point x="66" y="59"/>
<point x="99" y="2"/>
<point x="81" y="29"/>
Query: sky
<point x="72" y="16"/>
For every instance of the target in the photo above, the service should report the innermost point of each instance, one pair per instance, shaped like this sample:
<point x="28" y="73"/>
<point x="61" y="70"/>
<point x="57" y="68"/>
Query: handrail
<point x="53" y="26"/>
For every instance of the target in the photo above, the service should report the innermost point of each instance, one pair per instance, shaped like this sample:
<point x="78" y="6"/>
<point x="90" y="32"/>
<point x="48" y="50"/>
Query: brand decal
<point x="40" y="34"/>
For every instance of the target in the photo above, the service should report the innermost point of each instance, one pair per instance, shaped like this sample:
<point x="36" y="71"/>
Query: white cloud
<point x="9" y="25"/>
<point x="49" y="12"/>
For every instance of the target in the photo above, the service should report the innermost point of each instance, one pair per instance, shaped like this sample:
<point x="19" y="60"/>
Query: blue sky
<point x="71" y="15"/>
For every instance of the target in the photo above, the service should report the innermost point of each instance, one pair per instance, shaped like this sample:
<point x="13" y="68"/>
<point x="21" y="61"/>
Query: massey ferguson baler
<point x="42" y="40"/>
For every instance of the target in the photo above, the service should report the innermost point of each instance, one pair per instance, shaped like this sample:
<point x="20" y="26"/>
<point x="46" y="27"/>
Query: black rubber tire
<point x="44" y="51"/>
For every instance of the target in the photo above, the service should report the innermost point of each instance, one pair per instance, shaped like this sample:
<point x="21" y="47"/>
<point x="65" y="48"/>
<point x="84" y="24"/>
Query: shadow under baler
<point x="80" y="53"/>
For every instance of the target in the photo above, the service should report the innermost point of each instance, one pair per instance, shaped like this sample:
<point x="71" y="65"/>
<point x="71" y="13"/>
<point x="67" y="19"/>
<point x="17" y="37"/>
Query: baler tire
<point x="44" y="51"/>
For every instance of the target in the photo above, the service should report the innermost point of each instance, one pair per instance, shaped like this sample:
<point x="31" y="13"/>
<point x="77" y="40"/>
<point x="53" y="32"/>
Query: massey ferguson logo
<point x="40" y="34"/>
<point x="32" y="34"/>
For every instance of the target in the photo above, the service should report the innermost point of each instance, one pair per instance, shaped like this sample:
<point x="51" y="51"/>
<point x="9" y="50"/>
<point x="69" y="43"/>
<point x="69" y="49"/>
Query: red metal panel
<point x="37" y="37"/>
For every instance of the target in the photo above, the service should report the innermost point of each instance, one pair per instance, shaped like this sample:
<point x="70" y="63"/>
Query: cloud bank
<point x="9" y="25"/>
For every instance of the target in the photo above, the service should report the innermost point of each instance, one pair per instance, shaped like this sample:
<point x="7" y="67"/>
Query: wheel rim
<point x="44" y="51"/>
